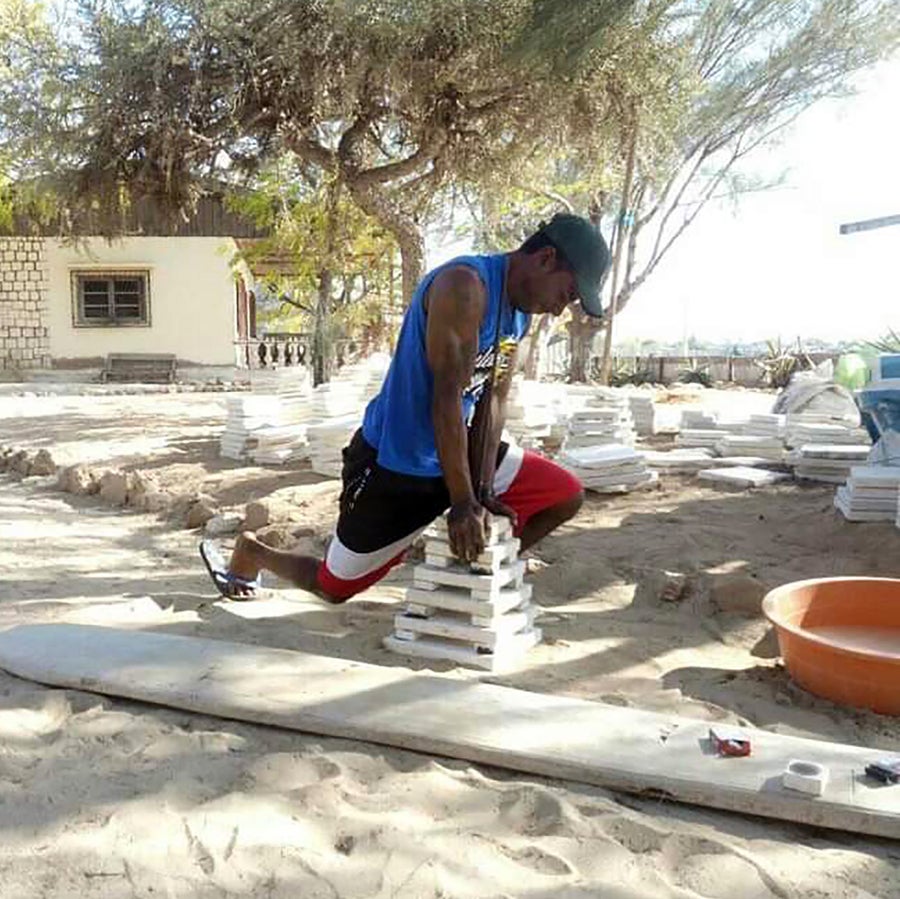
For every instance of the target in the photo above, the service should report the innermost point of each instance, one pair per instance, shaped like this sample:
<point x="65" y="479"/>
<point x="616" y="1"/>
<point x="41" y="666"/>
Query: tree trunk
<point x="321" y="342"/>
<point x="402" y="227"/>
<point x="582" y="329"/>
<point x="621" y="233"/>
<point x="537" y="342"/>
<point x="412" y="261"/>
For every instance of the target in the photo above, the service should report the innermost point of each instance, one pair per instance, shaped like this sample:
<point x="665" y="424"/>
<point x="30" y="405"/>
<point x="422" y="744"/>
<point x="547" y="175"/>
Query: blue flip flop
<point x="226" y="582"/>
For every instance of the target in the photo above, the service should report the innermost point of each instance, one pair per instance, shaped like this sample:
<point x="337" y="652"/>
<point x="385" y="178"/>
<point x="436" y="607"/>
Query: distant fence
<point x="743" y="370"/>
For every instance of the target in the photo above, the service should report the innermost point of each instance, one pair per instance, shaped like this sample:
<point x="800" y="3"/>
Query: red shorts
<point x="383" y="512"/>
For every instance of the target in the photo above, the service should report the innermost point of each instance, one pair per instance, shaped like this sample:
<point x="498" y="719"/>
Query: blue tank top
<point x="398" y="421"/>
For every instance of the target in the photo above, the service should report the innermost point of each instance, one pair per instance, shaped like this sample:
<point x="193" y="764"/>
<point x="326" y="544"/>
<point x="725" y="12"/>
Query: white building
<point x="68" y="304"/>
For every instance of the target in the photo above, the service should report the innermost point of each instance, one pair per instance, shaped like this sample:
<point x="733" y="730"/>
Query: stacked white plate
<point x="246" y="415"/>
<point x="678" y="461"/>
<point x="870" y="493"/>
<point x="643" y="413"/>
<point x="702" y="438"/>
<point x="285" y="441"/>
<point x="770" y="448"/>
<point x="609" y="469"/>
<point x="600" y="426"/>
<point x="828" y="463"/>
<point x="326" y="440"/>
<point x="800" y="431"/>
<point x="764" y="425"/>
<point x="350" y="389"/>
<point x="531" y="411"/>
<point x="697" y="419"/>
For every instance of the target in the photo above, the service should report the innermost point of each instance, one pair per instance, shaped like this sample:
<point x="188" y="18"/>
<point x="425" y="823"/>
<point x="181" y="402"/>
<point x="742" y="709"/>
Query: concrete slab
<point x="497" y="529"/>
<point x="502" y="657"/>
<point x="458" y="601"/>
<point x="853" y="514"/>
<point x="552" y="736"/>
<point x="425" y="577"/>
<point x="741" y="476"/>
<point x="458" y="628"/>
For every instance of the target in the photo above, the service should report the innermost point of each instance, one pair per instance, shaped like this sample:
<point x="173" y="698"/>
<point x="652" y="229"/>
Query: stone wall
<point x="24" y="339"/>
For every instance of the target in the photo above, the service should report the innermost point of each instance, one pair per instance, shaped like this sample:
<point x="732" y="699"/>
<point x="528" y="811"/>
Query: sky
<point x="777" y="266"/>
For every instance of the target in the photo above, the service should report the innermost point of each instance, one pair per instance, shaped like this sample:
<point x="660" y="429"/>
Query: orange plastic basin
<point x="840" y="638"/>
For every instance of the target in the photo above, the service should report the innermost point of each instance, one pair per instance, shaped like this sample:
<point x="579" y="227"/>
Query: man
<point x="410" y="461"/>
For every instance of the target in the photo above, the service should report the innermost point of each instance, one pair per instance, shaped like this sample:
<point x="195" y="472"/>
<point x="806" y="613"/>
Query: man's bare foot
<point x="245" y="561"/>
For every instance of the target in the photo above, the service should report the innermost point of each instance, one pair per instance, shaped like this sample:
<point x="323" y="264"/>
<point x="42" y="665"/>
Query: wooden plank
<point x="552" y="736"/>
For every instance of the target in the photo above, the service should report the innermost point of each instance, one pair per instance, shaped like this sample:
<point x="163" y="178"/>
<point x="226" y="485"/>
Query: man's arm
<point x="498" y="399"/>
<point x="456" y="303"/>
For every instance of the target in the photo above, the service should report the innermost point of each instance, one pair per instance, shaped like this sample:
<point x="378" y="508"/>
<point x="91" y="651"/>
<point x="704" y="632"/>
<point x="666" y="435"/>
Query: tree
<point x="329" y="265"/>
<point x="392" y="100"/>
<point x="750" y="68"/>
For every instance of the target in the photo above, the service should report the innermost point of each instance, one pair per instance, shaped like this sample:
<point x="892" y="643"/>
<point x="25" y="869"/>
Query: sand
<point x="104" y="798"/>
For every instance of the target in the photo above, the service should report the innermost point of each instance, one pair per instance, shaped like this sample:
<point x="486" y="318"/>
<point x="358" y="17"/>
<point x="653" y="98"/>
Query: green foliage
<point x="316" y="232"/>
<point x="627" y="372"/>
<point x="395" y="99"/>
<point x="780" y="363"/>
<point x="705" y="85"/>
<point x="887" y="343"/>
<point x="696" y="373"/>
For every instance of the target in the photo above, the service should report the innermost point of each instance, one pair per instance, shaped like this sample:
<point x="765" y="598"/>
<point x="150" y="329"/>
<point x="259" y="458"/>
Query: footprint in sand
<point x="325" y="768"/>
<point x="536" y="859"/>
<point x="635" y="836"/>
<point x="711" y="867"/>
<point x="708" y="868"/>
<point x="535" y="811"/>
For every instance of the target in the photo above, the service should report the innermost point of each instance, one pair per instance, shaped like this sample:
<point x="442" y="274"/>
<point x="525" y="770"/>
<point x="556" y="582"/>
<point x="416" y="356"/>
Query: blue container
<point x="880" y="406"/>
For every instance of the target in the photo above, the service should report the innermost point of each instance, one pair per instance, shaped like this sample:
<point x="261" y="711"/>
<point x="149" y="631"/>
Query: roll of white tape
<point x="805" y="777"/>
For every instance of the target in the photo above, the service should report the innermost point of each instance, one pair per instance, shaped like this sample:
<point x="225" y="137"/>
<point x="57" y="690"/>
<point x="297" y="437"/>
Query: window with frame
<point x="105" y="299"/>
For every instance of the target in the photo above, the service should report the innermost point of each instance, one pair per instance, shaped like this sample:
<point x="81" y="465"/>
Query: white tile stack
<point x="246" y="414"/>
<point x="531" y="412"/>
<point x="270" y="419"/>
<point x="326" y="439"/>
<point x="609" y="469"/>
<point x="827" y="463"/>
<point x="698" y="438"/>
<point x="678" y="461"/>
<point x="337" y="408"/>
<point x="766" y="424"/>
<point x="643" y="413"/>
<point x="697" y="419"/>
<point x="741" y="477"/>
<point x="870" y="493"/>
<point x="805" y="428"/>
<point x="766" y="448"/>
<point x="285" y="441"/>
<point x="699" y="430"/>
<point x="479" y="615"/>
<point x="606" y="420"/>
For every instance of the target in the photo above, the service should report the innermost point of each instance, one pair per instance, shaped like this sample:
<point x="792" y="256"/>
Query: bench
<point x="155" y="367"/>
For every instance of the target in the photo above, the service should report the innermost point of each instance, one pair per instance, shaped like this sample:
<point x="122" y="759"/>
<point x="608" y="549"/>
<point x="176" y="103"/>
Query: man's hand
<point x="465" y="527"/>
<point x="496" y="507"/>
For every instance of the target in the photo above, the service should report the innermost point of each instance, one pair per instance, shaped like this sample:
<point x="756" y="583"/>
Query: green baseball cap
<point x="585" y="251"/>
